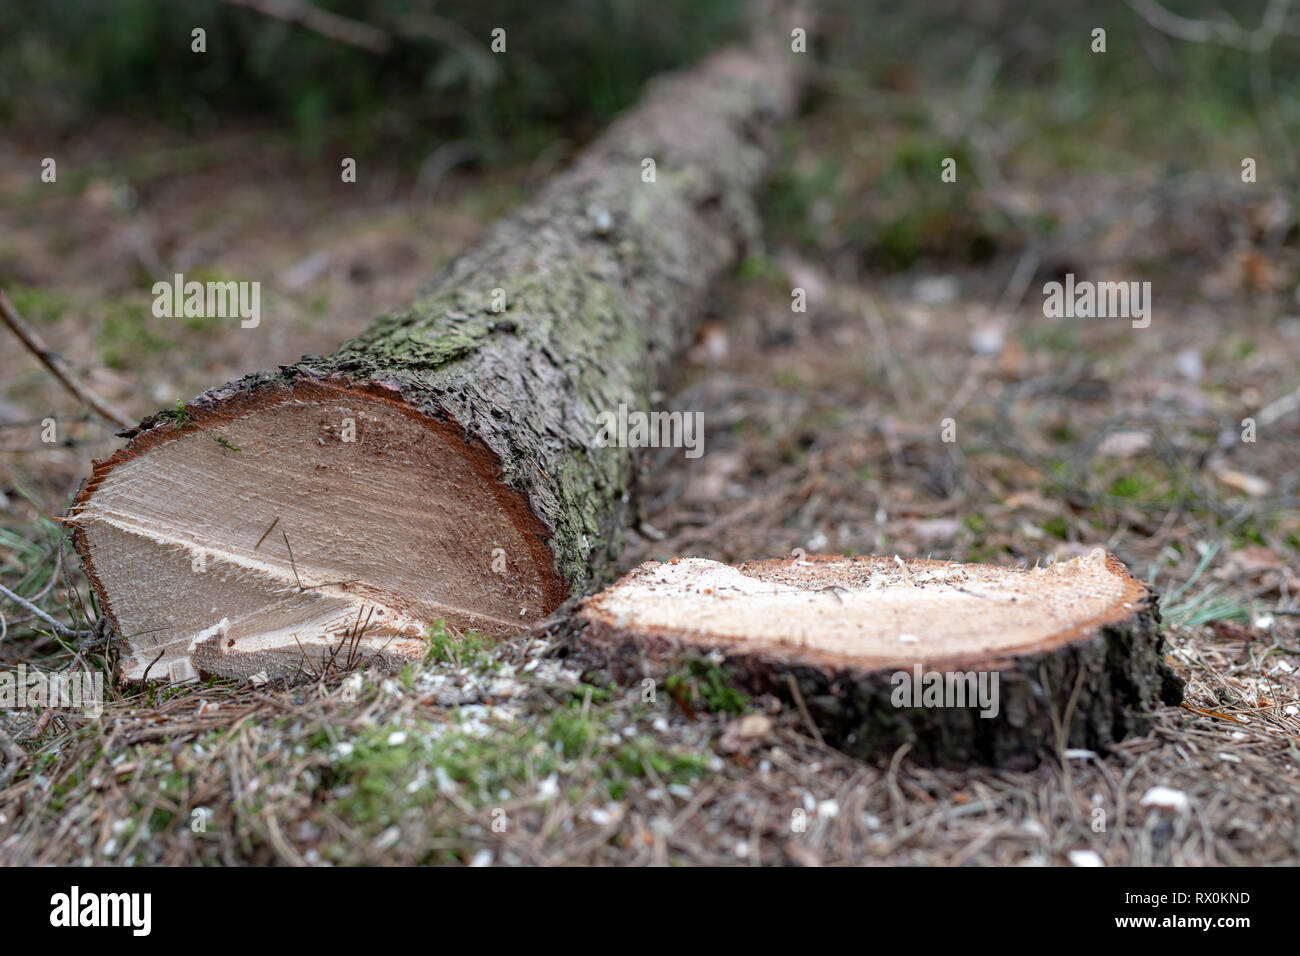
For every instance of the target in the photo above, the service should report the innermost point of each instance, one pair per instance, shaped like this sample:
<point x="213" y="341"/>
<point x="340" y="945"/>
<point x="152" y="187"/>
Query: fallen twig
<point x="351" y="32"/>
<point x="49" y="360"/>
<point x="31" y="608"/>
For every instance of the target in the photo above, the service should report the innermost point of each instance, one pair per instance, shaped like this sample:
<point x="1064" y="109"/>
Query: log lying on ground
<point x="884" y="652"/>
<point x="444" y="464"/>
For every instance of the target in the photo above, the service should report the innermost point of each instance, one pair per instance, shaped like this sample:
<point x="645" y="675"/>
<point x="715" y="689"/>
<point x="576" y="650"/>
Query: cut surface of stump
<point x="1076" y="642"/>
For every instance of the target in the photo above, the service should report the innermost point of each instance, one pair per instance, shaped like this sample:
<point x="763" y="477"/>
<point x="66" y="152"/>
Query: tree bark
<point x="445" y="463"/>
<point x="1065" y="656"/>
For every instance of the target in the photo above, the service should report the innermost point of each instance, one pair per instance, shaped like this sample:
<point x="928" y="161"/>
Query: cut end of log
<point x="843" y="630"/>
<point x="282" y="529"/>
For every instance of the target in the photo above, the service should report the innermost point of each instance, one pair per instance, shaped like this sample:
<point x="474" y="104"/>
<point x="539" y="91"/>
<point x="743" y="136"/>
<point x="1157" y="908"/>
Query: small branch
<point x="31" y="608"/>
<point x="50" y="361"/>
<point x="1185" y="28"/>
<point x="458" y="38"/>
<point x="352" y="32"/>
<point x="292" y="563"/>
<point x="803" y="708"/>
<point x="266" y="532"/>
<point x="1278" y="408"/>
<point x="1216" y="31"/>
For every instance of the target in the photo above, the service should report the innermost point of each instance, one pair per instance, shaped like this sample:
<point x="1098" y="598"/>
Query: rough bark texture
<point x="1085" y="685"/>
<point x="602" y="277"/>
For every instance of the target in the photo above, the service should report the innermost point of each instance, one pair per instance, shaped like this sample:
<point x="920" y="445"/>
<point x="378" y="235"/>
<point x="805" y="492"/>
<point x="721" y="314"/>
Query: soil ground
<point x="824" y="431"/>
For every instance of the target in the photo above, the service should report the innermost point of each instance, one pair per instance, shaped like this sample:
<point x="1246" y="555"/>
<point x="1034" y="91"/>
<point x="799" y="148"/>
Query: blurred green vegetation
<point x="1046" y="48"/>
<point x="909" y="85"/>
<point x="574" y="63"/>
<point x="568" y="63"/>
<point x="904" y="86"/>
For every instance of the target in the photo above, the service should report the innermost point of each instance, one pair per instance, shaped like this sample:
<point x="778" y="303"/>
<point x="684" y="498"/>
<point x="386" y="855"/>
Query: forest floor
<point x="824" y="431"/>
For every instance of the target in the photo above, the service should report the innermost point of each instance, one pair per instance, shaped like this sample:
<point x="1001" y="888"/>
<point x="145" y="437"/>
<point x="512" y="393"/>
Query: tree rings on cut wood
<point x="964" y="662"/>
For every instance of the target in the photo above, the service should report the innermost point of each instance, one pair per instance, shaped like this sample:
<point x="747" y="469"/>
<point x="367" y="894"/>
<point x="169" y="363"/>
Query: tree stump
<point x="963" y="662"/>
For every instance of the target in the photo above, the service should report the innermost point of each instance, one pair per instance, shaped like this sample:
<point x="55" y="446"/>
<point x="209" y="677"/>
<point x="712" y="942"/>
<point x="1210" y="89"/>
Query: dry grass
<point x="489" y="761"/>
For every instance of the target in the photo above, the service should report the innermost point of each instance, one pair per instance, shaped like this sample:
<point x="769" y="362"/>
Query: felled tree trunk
<point x="445" y="463"/>
<point x="963" y="662"/>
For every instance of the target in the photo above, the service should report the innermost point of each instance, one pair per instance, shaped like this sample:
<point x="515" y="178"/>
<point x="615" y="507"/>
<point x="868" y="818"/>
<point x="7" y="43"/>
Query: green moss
<point x="1253" y="530"/>
<point x="131" y="332"/>
<point x="763" y="268"/>
<point x="378" y="783"/>
<point x="178" y="415"/>
<point x="572" y="730"/>
<point x="39" y="306"/>
<point x="1063" y="433"/>
<point x="469" y="649"/>
<point x="701" y="684"/>
<point x="1058" y="527"/>
<point x="1051" y="336"/>
<point x="128" y="334"/>
<point x="1135" y="487"/>
<point x="644" y="755"/>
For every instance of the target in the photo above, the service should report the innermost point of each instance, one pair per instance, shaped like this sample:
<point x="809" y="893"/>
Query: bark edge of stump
<point x="1108" y="672"/>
